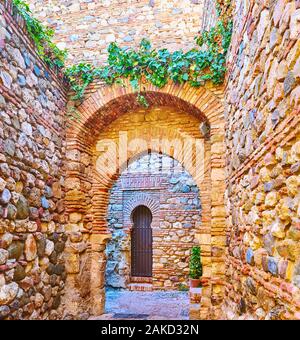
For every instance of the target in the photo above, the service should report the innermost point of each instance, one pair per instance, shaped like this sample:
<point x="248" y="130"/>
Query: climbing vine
<point x="204" y="62"/>
<point x="207" y="61"/>
<point x="41" y="35"/>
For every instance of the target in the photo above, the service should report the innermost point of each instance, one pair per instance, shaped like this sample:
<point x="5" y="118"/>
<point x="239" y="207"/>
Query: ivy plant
<point x="195" y="263"/>
<point x="41" y="35"/>
<point x="207" y="61"/>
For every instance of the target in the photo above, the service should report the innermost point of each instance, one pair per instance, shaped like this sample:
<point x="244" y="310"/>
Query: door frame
<point x="132" y="275"/>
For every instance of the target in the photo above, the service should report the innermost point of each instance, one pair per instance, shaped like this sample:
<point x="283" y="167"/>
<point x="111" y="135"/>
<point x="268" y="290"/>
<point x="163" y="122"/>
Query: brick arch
<point x="141" y="199"/>
<point x="109" y="102"/>
<point x="144" y="198"/>
<point x="108" y="181"/>
<point x="88" y="193"/>
<point x="103" y="182"/>
<point x="125" y="193"/>
<point x="108" y="178"/>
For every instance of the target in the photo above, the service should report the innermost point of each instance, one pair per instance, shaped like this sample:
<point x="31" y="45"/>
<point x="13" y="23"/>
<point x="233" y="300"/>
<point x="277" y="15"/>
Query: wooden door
<point x="141" y="242"/>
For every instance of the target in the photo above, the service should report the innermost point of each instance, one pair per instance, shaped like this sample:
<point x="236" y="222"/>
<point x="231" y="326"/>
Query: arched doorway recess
<point x="141" y="242"/>
<point x="175" y="113"/>
<point x="162" y="184"/>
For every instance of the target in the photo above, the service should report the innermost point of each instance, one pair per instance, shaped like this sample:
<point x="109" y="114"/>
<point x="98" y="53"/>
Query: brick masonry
<point x="253" y="271"/>
<point x="87" y="191"/>
<point x="175" y="113"/>
<point x="148" y="125"/>
<point x="160" y="183"/>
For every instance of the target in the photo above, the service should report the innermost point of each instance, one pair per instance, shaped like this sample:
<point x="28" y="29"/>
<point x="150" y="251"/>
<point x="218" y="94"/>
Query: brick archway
<point x="106" y="103"/>
<point x="163" y="185"/>
<point x="87" y="190"/>
<point x="141" y="199"/>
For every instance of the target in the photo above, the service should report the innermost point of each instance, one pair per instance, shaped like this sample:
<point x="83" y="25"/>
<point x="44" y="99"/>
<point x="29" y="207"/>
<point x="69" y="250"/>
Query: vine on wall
<point x="205" y="62"/>
<point x="41" y="35"/>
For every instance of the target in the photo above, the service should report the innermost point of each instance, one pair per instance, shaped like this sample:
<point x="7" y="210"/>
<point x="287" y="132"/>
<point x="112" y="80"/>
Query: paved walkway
<point x="156" y="305"/>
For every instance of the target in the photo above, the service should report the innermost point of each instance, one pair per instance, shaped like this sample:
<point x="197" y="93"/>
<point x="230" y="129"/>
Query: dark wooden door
<point x="141" y="242"/>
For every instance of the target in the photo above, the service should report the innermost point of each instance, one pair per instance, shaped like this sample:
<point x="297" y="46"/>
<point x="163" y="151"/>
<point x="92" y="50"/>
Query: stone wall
<point x="210" y="15"/>
<point x="86" y="28"/>
<point x="178" y="214"/>
<point x="36" y="148"/>
<point x="32" y="238"/>
<point x="263" y="154"/>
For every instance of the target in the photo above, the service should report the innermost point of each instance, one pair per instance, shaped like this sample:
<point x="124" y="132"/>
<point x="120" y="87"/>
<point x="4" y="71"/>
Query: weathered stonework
<point x="89" y="26"/>
<point x="173" y="199"/>
<point x="252" y="272"/>
<point x="262" y="139"/>
<point x="35" y="240"/>
<point x="209" y="14"/>
<point x="32" y="238"/>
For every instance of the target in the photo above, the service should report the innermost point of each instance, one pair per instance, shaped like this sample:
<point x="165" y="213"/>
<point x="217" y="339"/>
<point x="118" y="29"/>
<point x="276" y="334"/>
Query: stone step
<point x="141" y="287"/>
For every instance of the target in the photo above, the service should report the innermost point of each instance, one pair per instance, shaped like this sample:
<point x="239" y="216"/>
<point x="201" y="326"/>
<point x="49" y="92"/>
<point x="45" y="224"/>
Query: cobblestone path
<point x="156" y="305"/>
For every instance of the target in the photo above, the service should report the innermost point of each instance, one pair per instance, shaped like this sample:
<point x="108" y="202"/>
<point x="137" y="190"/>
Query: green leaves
<point x="159" y="66"/>
<point x="135" y="84"/>
<point x="205" y="63"/>
<point x="41" y="35"/>
<point x="195" y="263"/>
<point x="145" y="45"/>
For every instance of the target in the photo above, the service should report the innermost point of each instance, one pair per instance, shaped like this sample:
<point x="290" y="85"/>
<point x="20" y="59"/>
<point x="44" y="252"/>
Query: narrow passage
<point x="154" y="305"/>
